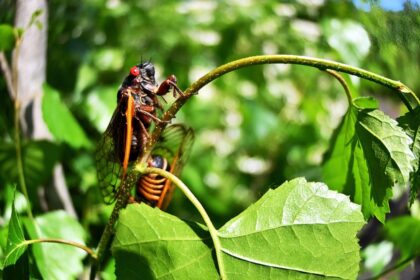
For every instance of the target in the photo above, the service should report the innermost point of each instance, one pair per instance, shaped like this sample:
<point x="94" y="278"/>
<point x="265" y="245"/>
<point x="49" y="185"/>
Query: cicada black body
<point x="127" y="132"/>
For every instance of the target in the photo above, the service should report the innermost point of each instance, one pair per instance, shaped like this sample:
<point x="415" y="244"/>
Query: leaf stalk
<point x="89" y="251"/>
<point x="187" y="192"/>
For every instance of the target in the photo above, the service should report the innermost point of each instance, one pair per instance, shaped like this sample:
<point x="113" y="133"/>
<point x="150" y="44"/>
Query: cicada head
<point x="147" y="75"/>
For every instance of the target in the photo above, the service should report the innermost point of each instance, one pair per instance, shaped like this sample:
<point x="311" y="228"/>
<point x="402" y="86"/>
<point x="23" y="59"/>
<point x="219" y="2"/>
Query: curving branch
<point x="406" y="94"/>
<point x="89" y="251"/>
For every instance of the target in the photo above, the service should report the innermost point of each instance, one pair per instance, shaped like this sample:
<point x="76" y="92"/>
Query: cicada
<point x="170" y="153"/>
<point x="127" y="132"/>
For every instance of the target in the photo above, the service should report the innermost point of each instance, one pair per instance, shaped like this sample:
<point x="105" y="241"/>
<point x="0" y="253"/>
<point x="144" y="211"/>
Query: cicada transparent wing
<point x="108" y="165"/>
<point x="112" y="153"/>
<point x="171" y="152"/>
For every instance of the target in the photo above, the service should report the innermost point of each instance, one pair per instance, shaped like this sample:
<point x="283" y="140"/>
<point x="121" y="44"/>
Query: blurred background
<point x="255" y="128"/>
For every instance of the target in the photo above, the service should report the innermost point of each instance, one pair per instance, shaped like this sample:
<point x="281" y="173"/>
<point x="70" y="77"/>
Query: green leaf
<point x="352" y="50"/>
<point x="108" y="273"/>
<point x="410" y="122"/>
<point x="158" y="245"/>
<point x="108" y="59"/>
<point x="101" y="103"/>
<point x="368" y="154"/>
<point x="60" y="121"/>
<point x="86" y="76"/>
<point x="7" y="37"/>
<point x="404" y="232"/>
<point x="57" y="261"/>
<point x="377" y="256"/>
<point x="16" y="260"/>
<point x="299" y="230"/>
<point x="35" y="19"/>
<point x="39" y="158"/>
<point x="365" y="103"/>
<point x="15" y="240"/>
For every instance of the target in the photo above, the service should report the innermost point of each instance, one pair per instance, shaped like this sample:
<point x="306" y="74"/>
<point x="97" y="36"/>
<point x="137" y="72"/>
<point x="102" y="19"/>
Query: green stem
<point x="122" y="198"/>
<point x="405" y="93"/>
<point x="62" y="241"/>
<point x="18" y="146"/>
<point x="343" y="84"/>
<point x="213" y="231"/>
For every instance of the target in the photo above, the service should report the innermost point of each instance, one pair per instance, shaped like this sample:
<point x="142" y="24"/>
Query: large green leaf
<point x="60" y="121"/>
<point x="298" y="231"/>
<point x="368" y="154"/>
<point x="154" y="245"/>
<point x="410" y="122"/>
<point x="404" y="232"/>
<point x="57" y="261"/>
<point x="16" y="260"/>
<point x="7" y="37"/>
<point x="39" y="158"/>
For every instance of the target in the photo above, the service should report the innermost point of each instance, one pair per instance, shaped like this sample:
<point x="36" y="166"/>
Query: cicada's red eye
<point x="134" y="71"/>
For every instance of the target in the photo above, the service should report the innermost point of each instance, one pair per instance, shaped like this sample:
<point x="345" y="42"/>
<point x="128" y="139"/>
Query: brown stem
<point x="5" y="68"/>
<point x="62" y="241"/>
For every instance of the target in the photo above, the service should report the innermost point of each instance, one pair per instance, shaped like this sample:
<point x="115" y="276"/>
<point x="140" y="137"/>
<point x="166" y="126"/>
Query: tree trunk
<point x="31" y="69"/>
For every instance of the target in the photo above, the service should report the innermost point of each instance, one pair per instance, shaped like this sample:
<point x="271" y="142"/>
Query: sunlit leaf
<point x="7" y="37"/>
<point x="108" y="273"/>
<point x="60" y="121"/>
<point x="57" y="261"/>
<point x="101" y="103"/>
<point x="339" y="35"/>
<point x="86" y="76"/>
<point x="157" y="245"/>
<point x="377" y="256"/>
<point x="299" y="230"/>
<point x="108" y="59"/>
<point x="368" y="154"/>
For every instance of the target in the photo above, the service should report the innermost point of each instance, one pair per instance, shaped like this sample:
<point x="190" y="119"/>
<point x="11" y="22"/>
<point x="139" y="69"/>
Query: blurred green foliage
<point x="256" y="127"/>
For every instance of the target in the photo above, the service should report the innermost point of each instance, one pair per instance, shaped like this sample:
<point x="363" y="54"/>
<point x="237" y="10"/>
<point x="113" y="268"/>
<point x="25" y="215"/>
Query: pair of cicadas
<point x="128" y="132"/>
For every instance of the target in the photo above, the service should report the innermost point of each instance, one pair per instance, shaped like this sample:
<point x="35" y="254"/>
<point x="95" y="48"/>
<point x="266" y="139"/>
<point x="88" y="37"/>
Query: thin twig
<point x="62" y="241"/>
<point x="5" y="68"/>
<point x="405" y="93"/>
<point x="343" y="84"/>
<point x="122" y="198"/>
<point x="18" y="145"/>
